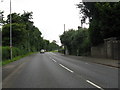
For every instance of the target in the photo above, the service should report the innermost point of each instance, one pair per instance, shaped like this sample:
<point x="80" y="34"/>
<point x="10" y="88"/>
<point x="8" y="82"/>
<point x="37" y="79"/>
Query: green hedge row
<point x="61" y="51"/>
<point x="15" y="52"/>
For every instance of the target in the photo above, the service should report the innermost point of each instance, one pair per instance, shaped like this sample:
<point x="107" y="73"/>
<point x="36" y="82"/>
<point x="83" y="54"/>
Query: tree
<point x="16" y="18"/>
<point x="50" y="46"/>
<point x="104" y="20"/>
<point x="1" y="18"/>
<point x="53" y="46"/>
<point x="18" y="34"/>
<point x="76" y="41"/>
<point x="109" y="19"/>
<point x="24" y="34"/>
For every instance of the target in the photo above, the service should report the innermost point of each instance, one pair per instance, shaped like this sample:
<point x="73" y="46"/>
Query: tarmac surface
<point x="54" y="70"/>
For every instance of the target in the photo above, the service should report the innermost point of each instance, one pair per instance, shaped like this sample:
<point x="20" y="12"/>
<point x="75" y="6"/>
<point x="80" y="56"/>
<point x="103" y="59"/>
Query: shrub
<point x="5" y="53"/>
<point x="15" y="52"/>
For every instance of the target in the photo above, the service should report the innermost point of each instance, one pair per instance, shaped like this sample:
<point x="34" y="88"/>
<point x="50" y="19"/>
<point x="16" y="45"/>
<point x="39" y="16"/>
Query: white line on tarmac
<point x="54" y="60"/>
<point x="94" y="84"/>
<point x="66" y="68"/>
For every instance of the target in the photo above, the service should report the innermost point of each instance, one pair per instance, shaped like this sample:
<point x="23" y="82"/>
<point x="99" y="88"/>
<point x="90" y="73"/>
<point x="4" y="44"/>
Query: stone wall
<point x="98" y="51"/>
<point x="110" y="49"/>
<point x="116" y="50"/>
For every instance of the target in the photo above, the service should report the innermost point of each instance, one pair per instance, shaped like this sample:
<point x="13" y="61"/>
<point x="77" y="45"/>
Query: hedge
<point x="15" y="52"/>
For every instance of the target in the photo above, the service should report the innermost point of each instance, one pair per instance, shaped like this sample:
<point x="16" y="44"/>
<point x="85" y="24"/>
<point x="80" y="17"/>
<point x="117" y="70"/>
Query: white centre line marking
<point x="66" y="68"/>
<point x="94" y="84"/>
<point x="54" y="60"/>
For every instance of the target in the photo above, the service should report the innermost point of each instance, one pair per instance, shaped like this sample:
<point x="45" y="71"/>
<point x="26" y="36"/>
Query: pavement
<point x="103" y="61"/>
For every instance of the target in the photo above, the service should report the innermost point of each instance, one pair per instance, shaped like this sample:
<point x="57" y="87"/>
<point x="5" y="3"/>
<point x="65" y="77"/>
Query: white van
<point x="42" y="51"/>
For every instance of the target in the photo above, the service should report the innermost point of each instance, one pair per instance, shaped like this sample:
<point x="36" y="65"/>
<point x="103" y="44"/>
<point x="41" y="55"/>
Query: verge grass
<point x="54" y="51"/>
<point x="15" y="59"/>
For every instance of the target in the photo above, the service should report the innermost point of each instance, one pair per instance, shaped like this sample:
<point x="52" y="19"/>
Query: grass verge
<point x="54" y="51"/>
<point x="15" y="59"/>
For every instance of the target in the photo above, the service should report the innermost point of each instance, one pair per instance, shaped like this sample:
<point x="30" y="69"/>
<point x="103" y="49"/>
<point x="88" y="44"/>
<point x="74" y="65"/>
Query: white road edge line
<point x="94" y="84"/>
<point x="66" y="68"/>
<point x="54" y="60"/>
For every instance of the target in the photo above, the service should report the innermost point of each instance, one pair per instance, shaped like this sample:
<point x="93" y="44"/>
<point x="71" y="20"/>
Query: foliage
<point x="1" y="17"/>
<point x="53" y="46"/>
<point x="50" y="46"/>
<point x="76" y="41"/>
<point x="18" y="34"/>
<point x="16" y="52"/>
<point x="25" y="37"/>
<point x="15" y="58"/>
<point x="24" y="34"/>
<point x="104" y="20"/>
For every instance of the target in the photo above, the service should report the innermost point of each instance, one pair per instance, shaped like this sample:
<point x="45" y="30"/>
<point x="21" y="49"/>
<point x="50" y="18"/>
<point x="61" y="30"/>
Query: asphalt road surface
<point x="50" y="70"/>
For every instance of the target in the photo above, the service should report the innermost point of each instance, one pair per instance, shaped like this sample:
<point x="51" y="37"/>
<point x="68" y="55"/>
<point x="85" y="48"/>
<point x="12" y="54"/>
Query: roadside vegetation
<point x="104" y="23"/>
<point x="6" y="61"/>
<point x="104" y="20"/>
<point x="26" y="37"/>
<point x="76" y="41"/>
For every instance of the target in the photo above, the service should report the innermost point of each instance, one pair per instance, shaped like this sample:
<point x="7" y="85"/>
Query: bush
<point x="5" y="53"/>
<point x="85" y="47"/>
<point x="61" y="51"/>
<point x="15" y="52"/>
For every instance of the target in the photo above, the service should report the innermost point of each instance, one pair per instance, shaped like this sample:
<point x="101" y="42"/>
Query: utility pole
<point x="0" y="32"/>
<point x="1" y="24"/>
<point x="64" y="45"/>
<point x="81" y="23"/>
<point x="64" y="28"/>
<point x="10" y="32"/>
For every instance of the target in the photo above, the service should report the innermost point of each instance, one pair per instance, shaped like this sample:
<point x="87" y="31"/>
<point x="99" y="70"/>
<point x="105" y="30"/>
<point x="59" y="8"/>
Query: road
<point x="52" y="70"/>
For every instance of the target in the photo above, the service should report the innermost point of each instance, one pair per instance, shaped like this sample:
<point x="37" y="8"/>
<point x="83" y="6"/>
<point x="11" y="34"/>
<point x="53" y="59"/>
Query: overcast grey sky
<point x="48" y="15"/>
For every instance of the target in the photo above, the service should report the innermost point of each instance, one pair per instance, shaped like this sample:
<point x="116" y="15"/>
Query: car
<point x="42" y="51"/>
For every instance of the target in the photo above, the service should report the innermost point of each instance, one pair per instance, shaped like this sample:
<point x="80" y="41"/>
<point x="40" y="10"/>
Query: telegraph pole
<point x="64" y="28"/>
<point x="10" y="32"/>
<point x="64" y="45"/>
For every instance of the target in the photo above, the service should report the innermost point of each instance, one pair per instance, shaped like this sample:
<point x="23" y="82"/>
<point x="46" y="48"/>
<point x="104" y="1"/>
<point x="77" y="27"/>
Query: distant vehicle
<point x="42" y="51"/>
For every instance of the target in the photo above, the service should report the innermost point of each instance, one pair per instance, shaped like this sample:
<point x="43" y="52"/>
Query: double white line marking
<point x="66" y="68"/>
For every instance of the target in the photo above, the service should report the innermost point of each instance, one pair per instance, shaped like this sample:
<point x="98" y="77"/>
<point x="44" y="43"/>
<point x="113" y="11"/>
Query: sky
<point x="48" y="15"/>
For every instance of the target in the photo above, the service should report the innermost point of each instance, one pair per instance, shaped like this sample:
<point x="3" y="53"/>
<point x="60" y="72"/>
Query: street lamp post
<point x="1" y="23"/>
<point x="64" y="45"/>
<point x="10" y="32"/>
